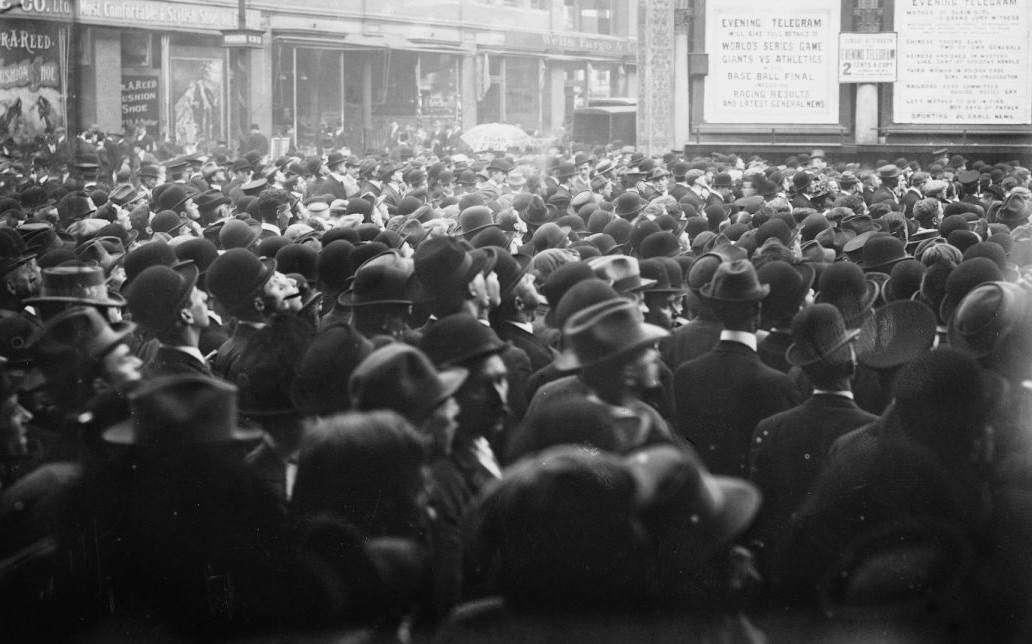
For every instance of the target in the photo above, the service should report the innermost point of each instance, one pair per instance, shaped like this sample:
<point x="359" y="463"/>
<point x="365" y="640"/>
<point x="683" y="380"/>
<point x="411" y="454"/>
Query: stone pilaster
<point x="656" y="69"/>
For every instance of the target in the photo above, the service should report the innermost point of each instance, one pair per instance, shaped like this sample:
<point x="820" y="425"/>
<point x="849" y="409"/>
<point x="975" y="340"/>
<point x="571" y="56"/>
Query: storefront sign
<point x="772" y="63"/>
<point x="867" y="58"/>
<point x="37" y="8"/>
<point x="570" y="44"/>
<point x="243" y="38"/>
<point x="963" y="62"/>
<point x="31" y="80"/>
<point x="139" y="101"/>
<point x="150" y="13"/>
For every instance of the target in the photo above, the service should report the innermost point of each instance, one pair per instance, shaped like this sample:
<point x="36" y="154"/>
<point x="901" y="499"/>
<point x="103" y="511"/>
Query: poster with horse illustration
<point x="32" y="71"/>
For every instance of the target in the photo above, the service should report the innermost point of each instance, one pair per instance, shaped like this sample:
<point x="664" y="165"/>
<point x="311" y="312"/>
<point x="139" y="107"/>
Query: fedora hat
<point x="896" y="334"/>
<point x="458" y="339"/>
<point x="181" y="410"/>
<point x="818" y="334"/>
<point x="988" y="316"/>
<point x="383" y="279"/>
<point x="844" y="285"/>
<point x="621" y="271"/>
<point x="735" y="281"/>
<point x="882" y="252"/>
<point x="510" y="270"/>
<point x="691" y="510"/>
<point x="13" y="251"/>
<point x="1014" y="210"/>
<point x="604" y="330"/>
<point x="401" y="378"/>
<point x="443" y="264"/>
<point x="84" y="328"/>
<point x="537" y="212"/>
<point x="76" y="285"/>
<point x="559" y="282"/>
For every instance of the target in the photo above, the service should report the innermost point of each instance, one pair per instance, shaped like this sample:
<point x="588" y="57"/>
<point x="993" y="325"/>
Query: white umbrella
<point x="495" y="136"/>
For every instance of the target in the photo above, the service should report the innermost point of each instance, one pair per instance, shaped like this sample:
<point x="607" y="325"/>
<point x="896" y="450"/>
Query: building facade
<point x="357" y="73"/>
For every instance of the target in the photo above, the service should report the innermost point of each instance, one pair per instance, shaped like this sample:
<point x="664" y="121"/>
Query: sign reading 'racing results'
<point x="963" y="62"/>
<point x="772" y="63"/>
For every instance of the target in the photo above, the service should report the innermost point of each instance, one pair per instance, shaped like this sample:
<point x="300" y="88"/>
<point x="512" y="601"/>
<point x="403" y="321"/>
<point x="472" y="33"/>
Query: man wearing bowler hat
<point x="380" y="299"/>
<point x="788" y="448"/>
<point x="166" y="303"/>
<point x="250" y="290"/>
<point x="724" y="393"/>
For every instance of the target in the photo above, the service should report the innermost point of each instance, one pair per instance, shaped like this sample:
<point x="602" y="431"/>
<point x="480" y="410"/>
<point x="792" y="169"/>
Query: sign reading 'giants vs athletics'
<point x="963" y="62"/>
<point x="772" y="63"/>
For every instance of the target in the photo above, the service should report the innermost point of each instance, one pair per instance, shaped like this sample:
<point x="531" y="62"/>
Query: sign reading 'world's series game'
<point x="963" y="62"/>
<point x="772" y="63"/>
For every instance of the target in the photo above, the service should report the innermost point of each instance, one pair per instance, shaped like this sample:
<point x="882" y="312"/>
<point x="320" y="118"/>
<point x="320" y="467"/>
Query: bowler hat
<point x="882" y="252"/>
<point x="237" y="276"/>
<point x="605" y="330"/>
<point x="628" y="205"/>
<point x="904" y="280"/>
<point x="963" y="279"/>
<point x="662" y="243"/>
<point x="76" y="285"/>
<point x="474" y="219"/>
<point x="844" y="285"/>
<point x="401" y="378"/>
<point x="565" y="169"/>
<point x="655" y="270"/>
<point x="510" y="270"/>
<point x="1015" y="210"/>
<point x="181" y="410"/>
<point x="84" y="328"/>
<point x="818" y="335"/>
<point x="896" y="334"/>
<point x="621" y="271"/>
<point x="459" y="339"/>
<point x="13" y="251"/>
<point x="321" y="386"/>
<point x="789" y="284"/>
<point x="239" y="233"/>
<point x="383" y="279"/>
<point x="173" y="196"/>
<point x="159" y="293"/>
<point x="735" y="281"/>
<point x="888" y="171"/>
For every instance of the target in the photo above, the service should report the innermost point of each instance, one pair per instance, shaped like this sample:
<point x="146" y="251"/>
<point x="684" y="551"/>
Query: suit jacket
<point x="720" y="398"/>
<point x="171" y="361"/>
<point x="690" y="341"/>
<point x="231" y="350"/>
<point x="539" y="353"/>
<point x="883" y="194"/>
<point x="788" y="451"/>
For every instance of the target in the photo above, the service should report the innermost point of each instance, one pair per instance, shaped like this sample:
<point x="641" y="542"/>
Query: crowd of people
<point x="497" y="397"/>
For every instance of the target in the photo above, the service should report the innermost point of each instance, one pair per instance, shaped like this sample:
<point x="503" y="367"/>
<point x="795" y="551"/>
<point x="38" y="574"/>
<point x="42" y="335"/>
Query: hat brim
<point x="124" y="433"/>
<point x="347" y="300"/>
<point x="798" y="358"/>
<point x="113" y="299"/>
<point x="568" y="360"/>
<point x="755" y="295"/>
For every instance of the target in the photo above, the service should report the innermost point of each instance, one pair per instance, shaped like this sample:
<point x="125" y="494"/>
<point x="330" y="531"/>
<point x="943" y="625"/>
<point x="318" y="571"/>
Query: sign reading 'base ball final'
<point x="772" y="62"/>
<point x="963" y="62"/>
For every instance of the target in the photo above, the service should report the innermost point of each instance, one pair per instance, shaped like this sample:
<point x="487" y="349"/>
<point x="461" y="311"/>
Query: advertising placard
<point x="140" y="101"/>
<point x="963" y="62"/>
<point x="31" y="80"/>
<point x="867" y="58"/>
<point x="772" y="63"/>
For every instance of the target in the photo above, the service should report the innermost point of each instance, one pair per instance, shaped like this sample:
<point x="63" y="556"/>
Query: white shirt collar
<point x="742" y="337"/>
<point x="192" y="351"/>
<point x="834" y="392"/>
<point x="526" y="326"/>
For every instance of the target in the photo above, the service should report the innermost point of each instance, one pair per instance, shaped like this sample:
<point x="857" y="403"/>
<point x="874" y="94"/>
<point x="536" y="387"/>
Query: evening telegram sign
<point x="963" y="62"/>
<point x="774" y="63"/>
